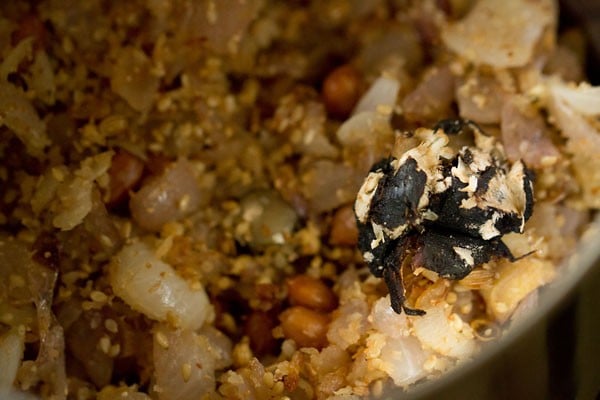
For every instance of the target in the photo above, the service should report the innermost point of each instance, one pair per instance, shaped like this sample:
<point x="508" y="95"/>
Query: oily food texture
<point x="185" y="187"/>
<point x="455" y="219"/>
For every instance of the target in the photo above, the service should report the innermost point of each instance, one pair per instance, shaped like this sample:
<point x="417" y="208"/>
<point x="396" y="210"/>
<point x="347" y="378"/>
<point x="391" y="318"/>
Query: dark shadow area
<point x="585" y="14"/>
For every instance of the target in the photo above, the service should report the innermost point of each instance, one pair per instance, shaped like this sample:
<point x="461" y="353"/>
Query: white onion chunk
<point x="153" y="288"/>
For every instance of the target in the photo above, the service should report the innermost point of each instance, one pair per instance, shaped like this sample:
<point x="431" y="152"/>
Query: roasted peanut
<point x="125" y="172"/>
<point x="310" y="292"/>
<point x="306" y="327"/>
<point x="341" y="90"/>
<point x="258" y="328"/>
<point x="343" y="228"/>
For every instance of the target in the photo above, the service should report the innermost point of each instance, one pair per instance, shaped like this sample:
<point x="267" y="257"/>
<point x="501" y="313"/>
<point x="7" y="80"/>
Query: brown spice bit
<point x="306" y="327"/>
<point x="290" y="381"/>
<point x="125" y="172"/>
<point x="157" y="163"/>
<point x="267" y="296"/>
<point x="304" y="290"/>
<point x="31" y="26"/>
<point x="341" y="90"/>
<point x="343" y="228"/>
<point x="289" y="373"/>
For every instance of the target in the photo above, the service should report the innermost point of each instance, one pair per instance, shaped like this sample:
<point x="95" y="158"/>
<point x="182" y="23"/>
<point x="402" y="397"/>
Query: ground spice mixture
<point x="178" y="182"/>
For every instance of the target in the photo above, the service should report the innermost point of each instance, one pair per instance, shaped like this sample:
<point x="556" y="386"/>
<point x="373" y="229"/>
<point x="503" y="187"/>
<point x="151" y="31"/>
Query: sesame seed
<point x="467" y="308"/>
<point x="162" y="340"/>
<point x="268" y="379"/>
<point x="501" y="307"/>
<point x="98" y="296"/>
<point x="114" y="350"/>
<point x="186" y="371"/>
<point x="106" y="241"/>
<point x="451" y="298"/>
<point x="164" y="247"/>
<point x="278" y="387"/>
<point x="104" y="344"/>
<point x="111" y="325"/>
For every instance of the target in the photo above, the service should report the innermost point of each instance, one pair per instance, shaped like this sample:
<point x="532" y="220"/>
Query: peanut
<point x="310" y="292"/>
<point x="258" y="328"/>
<point x="125" y="172"/>
<point x="341" y="90"/>
<point x="343" y="228"/>
<point x="306" y="327"/>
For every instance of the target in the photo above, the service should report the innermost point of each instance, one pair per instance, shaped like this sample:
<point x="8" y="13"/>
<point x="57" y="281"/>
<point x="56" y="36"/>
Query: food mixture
<point x="179" y="180"/>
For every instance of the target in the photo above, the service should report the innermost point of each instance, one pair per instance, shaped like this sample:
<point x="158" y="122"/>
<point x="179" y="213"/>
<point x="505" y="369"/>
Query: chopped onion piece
<point x="365" y="138"/>
<point x="271" y="220"/>
<point x="363" y="128"/>
<point x="403" y="359"/>
<point x="501" y="33"/>
<point x="432" y="96"/>
<point x="480" y="98"/>
<point x="328" y="185"/>
<point x="524" y="134"/>
<point x="365" y="134"/>
<point x="380" y="97"/>
<point x="445" y="333"/>
<point x="391" y="347"/>
<point x="42" y="77"/>
<point x="75" y="194"/>
<point x="11" y="351"/>
<point x="573" y="124"/>
<point x="185" y="362"/>
<point x="583" y="143"/>
<point x="18" y="114"/>
<point x="222" y="24"/>
<point x="21" y="52"/>
<point x="387" y="321"/>
<point x="152" y="287"/>
<point x="349" y="323"/>
<point x="516" y="280"/>
<point x="132" y="78"/>
<point x="167" y="197"/>
<point x="583" y="99"/>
